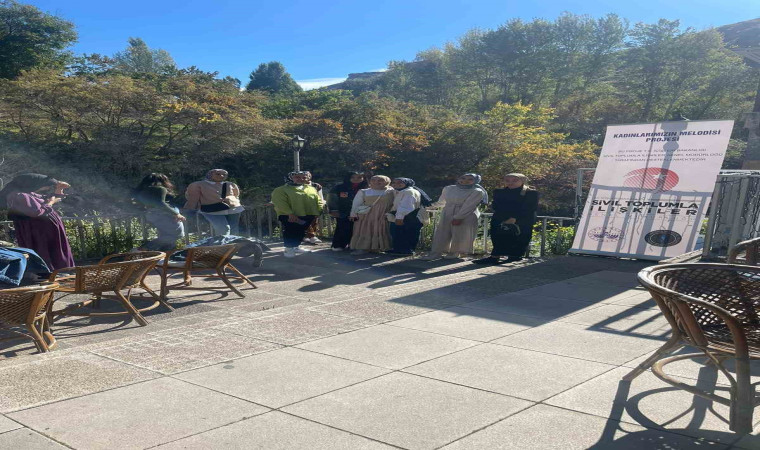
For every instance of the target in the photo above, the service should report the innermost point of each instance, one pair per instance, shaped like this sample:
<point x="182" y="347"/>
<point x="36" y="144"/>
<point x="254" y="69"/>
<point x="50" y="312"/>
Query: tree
<point x="273" y="78"/>
<point x="31" y="38"/>
<point x="139" y="58"/>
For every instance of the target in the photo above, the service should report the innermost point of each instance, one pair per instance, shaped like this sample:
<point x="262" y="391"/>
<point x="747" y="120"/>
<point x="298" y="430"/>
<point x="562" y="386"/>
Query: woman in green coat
<point x="297" y="205"/>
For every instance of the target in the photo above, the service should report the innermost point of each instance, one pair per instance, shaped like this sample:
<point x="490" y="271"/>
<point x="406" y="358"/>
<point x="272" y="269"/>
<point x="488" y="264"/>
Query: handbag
<point x="365" y="209"/>
<point x="224" y="204"/>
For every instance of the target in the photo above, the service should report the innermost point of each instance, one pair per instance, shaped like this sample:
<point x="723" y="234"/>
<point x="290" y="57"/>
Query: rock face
<point x="741" y="34"/>
<point x="357" y="81"/>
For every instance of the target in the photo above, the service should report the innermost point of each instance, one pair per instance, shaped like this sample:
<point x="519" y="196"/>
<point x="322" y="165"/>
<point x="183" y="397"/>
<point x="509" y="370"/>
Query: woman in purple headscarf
<point x="29" y="199"/>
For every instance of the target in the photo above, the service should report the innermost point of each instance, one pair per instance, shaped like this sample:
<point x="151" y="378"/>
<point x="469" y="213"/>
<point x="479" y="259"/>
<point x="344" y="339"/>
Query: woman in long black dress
<point x="514" y="214"/>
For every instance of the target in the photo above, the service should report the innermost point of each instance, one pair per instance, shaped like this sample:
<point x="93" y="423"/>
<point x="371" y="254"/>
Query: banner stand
<point x="651" y="189"/>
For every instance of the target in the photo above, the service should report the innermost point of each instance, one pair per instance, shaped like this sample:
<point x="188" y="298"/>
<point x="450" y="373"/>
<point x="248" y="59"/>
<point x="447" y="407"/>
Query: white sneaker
<point x="451" y="256"/>
<point x="300" y="250"/>
<point x="313" y="240"/>
<point x="336" y="249"/>
<point x="290" y="252"/>
<point x="358" y="252"/>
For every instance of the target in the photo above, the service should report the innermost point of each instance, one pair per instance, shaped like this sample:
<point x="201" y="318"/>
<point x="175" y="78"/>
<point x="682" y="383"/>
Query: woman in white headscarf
<point x="458" y="220"/>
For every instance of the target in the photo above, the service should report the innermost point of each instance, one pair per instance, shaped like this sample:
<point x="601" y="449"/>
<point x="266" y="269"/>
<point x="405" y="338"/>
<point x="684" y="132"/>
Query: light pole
<point x="297" y="144"/>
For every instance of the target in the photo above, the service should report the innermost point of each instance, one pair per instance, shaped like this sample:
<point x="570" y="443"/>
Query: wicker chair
<point x="203" y="259"/>
<point x="26" y="307"/>
<point x="750" y="249"/>
<point x="715" y="309"/>
<point x="127" y="274"/>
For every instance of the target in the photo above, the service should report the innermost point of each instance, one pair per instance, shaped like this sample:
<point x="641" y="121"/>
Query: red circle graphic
<point x="651" y="179"/>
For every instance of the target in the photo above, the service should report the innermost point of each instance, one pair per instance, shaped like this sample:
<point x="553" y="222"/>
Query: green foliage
<point x="273" y="78"/>
<point x="531" y="97"/>
<point x="138" y="58"/>
<point x="31" y="38"/>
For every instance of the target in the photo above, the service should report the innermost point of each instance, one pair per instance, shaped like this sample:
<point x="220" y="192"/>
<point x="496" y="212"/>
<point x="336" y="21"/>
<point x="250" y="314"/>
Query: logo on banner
<point x="600" y="234"/>
<point x="663" y="238"/>
<point x="652" y="179"/>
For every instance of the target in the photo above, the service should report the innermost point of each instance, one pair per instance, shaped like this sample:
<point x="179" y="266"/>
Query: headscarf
<point x="25" y="182"/>
<point x="474" y="185"/>
<point x="210" y="173"/>
<point x="523" y="178"/>
<point x="425" y="199"/>
<point x="289" y="178"/>
<point x="350" y="186"/>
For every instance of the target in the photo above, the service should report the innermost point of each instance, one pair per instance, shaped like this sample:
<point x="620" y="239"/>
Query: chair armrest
<point x="56" y="274"/>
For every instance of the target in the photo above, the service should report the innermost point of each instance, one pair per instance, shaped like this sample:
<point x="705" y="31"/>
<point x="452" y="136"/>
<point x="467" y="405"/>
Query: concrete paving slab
<point x="281" y="377"/>
<point x="511" y="371"/>
<point x="544" y="427"/>
<point x="636" y="321"/>
<point x="589" y="293"/>
<point x="26" y="439"/>
<point x="651" y="403"/>
<point x="547" y="308"/>
<point x="275" y="431"/>
<point x="468" y="323"/>
<point x="180" y="349"/>
<point x="577" y="341"/>
<point x="386" y="346"/>
<point x="295" y="327"/>
<point x="377" y="310"/>
<point x="7" y="424"/>
<point x="408" y="411"/>
<point x="253" y="308"/>
<point x="45" y="380"/>
<point x="137" y="416"/>
<point x="608" y="277"/>
<point x="697" y="368"/>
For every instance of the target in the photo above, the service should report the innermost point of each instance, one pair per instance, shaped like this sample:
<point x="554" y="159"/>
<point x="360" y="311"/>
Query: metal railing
<point x="95" y="236"/>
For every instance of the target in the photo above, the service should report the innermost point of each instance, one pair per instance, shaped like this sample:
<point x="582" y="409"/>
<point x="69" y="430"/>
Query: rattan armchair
<point x="750" y="249"/>
<point x="215" y="258"/>
<point x="26" y="308"/>
<point x="127" y="274"/>
<point x="714" y="309"/>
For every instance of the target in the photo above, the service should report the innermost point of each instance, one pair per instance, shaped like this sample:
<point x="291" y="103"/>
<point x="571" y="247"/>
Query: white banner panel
<point x="651" y="188"/>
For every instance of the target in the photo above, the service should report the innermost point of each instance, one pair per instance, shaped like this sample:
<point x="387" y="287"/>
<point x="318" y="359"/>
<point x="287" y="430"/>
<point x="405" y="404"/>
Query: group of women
<point x="387" y="215"/>
<point x="375" y="215"/>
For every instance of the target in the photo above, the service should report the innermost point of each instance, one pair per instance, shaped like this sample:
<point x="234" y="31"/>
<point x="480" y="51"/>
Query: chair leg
<point x="160" y="299"/>
<point x="245" y="278"/>
<point x="226" y="280"/>
<point x="188" y="278"/>
<point x="47" y="333"/>
<point x="668" y="347"/>
<point x="131" y="309"/>
<point x="39" y="341"/>
<point x="164" y="290"/>
<point x="742" y="399"/>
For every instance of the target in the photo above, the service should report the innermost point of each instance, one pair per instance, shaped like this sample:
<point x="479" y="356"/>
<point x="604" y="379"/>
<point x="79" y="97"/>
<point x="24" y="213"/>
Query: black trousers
<point x="506" y="244"/>
<point x="344" y="229"/>
<point x="292" y="232"/>
<point x="407" y="236"/>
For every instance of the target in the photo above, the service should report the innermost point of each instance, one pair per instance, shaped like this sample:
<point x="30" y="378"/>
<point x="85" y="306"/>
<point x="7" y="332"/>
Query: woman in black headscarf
<point x="514" y="214"/>
<point x="29" y="199"/>
<point x="339" y="202"/>
<point x="409" y="215"/>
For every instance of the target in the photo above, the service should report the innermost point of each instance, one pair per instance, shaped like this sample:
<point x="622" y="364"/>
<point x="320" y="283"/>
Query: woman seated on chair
<point x="156" y="193"/>
<point x="29" y="199"/>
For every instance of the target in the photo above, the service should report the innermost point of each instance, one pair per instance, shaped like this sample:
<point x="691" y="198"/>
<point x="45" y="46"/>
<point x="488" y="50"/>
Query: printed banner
<point x="652" y="188"/>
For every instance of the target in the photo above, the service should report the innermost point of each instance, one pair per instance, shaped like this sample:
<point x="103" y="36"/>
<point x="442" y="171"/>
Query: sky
<point x="321" y="42"/>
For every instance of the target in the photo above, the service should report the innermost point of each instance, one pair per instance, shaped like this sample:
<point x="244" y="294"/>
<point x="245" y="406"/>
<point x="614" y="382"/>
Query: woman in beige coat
<point x="371" y="227"/>
<point x="458" y="220"/>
